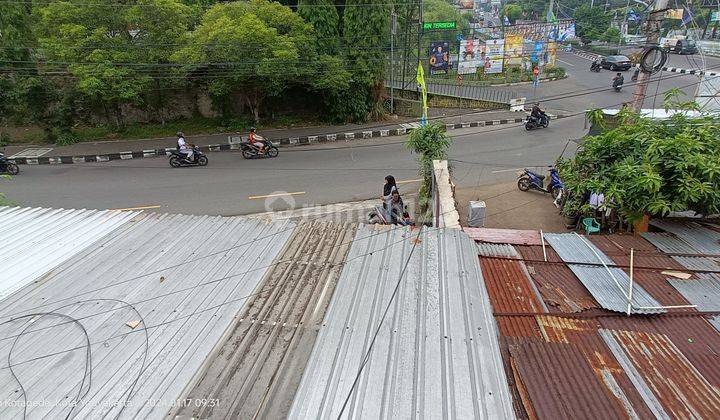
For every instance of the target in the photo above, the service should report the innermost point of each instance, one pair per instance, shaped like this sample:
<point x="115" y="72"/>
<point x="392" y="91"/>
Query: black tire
<point x="523" y="184"/>
<point x="528" y="127"/>
<point x="247" y="154"/>
<point x="546" y="122"/>
<point x="613" y="67"/>
<point x="175" y="162"/>
<point x="202" y="161"/>
<point x="13" y="169"/>
<point x="272" y="152"/>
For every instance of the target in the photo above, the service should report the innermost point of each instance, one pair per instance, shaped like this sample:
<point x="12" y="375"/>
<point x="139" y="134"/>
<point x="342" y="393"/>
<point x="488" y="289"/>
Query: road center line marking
<point x="563" y="61"/>
<point x="508" y="170"/>
<point x="256" y="197"/>
<point x="408" y="181"/>
<point x="138" y="208"/>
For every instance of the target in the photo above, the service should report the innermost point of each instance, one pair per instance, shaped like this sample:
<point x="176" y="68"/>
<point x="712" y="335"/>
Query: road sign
<point x="715" y="17"/>
<point x="439" y="25"/>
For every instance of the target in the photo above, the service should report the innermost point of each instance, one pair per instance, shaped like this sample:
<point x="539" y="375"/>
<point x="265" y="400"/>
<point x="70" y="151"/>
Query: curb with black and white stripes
<point x="593" y="56"/>
<point x="290" y="141"/>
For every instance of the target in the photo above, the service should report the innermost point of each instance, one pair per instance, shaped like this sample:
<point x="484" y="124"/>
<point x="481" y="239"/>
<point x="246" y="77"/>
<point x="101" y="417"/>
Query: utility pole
<point x="652" y="32"/>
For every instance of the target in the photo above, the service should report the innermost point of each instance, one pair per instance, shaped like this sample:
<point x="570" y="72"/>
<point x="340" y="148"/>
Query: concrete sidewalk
<point x="134" y="149"/>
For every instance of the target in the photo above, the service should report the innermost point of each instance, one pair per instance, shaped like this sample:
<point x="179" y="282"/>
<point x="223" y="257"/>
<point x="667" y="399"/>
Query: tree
<point x="323" y="16"/>
<point x="513" y="12"/>
<point x="366" y="33"/>
<point x="256" y="49"/>
<point x="590" y="22"/>
<point x="442" y="11"/>
<point x="430" y="142"/>
<point x="646" y="166"/>
<point x="611" y="35"/>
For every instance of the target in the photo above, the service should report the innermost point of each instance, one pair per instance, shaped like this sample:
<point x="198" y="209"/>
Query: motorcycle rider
<point x="636" y="74"/>
<point x="618" y="80"/>
<point x="183" y="147"/>
<point x="256" y="141"/>
<point x="537" y="114"/>
<point x="595" y="64"/>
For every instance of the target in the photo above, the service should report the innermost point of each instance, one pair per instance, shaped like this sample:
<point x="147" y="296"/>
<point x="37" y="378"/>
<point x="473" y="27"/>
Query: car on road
<point x="616" y="62"/>
<point x="683" y="46"/>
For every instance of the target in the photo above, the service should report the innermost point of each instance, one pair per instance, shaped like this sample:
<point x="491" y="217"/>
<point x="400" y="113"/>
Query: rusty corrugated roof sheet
<point x="560" y="289"/>
<point x="508" y="286"/>
<point x="504" y="236"/>
<point x="663" y="375"/>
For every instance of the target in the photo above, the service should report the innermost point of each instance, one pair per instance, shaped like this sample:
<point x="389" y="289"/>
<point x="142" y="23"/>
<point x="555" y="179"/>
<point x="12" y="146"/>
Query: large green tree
<point x="323" y="16"/>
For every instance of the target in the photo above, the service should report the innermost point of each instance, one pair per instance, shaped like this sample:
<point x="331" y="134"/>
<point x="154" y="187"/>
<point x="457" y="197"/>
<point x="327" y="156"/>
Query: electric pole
<point x="652" y="32"/>
<point x="393" y="32"/>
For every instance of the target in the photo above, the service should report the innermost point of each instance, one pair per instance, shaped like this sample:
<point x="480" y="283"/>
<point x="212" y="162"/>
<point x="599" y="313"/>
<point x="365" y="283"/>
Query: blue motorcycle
<point x="529" y="180"/>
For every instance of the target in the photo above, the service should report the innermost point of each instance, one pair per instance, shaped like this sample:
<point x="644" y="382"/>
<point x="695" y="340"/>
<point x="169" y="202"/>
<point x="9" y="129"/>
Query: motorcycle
<point x="617" y="84"/>
<point x="178" y="159"/>
<point x="7" y="166"/>
<point x="251" y="152"/>
<point x="532" y="123"/>
<point x="529" y="180"/>
<point x="595" y="66"/>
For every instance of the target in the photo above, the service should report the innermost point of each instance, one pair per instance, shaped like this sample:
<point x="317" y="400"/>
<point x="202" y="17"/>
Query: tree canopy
<point x="647" y="166"/>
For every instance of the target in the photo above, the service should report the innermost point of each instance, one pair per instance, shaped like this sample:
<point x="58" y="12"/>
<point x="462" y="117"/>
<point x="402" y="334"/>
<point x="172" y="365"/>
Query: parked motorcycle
<point x="178" y="159"/>
<point x="529" y="180"/>
<point x="251" y="152"/>
<point x="533" y="123"/>
<point x="7" y="166"/>
<point x="595" y="67"/>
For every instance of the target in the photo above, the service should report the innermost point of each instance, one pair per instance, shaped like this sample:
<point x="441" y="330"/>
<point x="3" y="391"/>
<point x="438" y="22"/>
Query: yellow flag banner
<point x="423" y="87"/>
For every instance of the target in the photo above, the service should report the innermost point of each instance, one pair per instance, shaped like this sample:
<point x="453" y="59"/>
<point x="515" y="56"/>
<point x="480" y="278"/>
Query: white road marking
<point x="563" y="61"/>
<point x="256" y="197"/>
<point x="508" y="170"/>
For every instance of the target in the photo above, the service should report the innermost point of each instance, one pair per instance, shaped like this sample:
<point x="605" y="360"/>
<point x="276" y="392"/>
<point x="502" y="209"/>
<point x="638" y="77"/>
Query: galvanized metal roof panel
<point x="668" y="242"/>
<point x="574" y="248"/>
<point x="704" y="240"/>
<point x="703" y="291"/>
<point x="435" y="356"/>
<point x="496" y="250"/>
<point x="36" y="240"/>
<point x="698" y="263"/>
<point x="599" y="281"/>
<point x="182" y="279"/>
<point x="715" y="321"/>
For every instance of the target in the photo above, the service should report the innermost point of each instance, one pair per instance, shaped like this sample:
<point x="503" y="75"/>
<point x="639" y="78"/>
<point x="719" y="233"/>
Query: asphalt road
<point x="327" y="173"/>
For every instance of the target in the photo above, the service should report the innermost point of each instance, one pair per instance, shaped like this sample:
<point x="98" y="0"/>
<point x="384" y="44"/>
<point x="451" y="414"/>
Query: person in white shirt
<point x="183" y="146"/>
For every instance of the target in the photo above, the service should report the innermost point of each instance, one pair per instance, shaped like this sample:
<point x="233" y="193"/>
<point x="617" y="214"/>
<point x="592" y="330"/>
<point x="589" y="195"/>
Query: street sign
<point x="439" y="25"/>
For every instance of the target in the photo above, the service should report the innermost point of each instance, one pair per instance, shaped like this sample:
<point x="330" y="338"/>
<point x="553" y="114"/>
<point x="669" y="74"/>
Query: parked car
<point x="616" y="62"/>
<point x="684" y="46"/>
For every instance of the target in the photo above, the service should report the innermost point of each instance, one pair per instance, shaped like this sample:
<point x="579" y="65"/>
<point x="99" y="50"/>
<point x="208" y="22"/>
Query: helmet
<point x="252" y="129"/>
<point x="180" y="134"/>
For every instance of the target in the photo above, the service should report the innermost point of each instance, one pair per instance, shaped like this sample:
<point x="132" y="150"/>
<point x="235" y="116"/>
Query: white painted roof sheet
<point x="35" y="240"/>
<point x="435" y="356"/>
<point x="127" y="324"/>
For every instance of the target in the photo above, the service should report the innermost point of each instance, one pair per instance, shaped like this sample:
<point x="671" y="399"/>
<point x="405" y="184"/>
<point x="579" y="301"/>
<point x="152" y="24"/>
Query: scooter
<point x="534" y="123"/>
<point x="178" y="159"/>
<point x="251" y="152"/>
<point x="529" y="180"/>
<point x="617" y="84"/>
<point x="595" y="66"/>
<point x="7" y="166"/>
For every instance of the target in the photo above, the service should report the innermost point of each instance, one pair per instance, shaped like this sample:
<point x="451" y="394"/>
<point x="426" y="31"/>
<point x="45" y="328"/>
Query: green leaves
<point x="648" y="166"/>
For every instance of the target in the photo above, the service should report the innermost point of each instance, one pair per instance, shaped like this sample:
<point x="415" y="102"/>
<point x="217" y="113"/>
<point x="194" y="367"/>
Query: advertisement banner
<point x="467" y="4"/>
<point x="674" y="14"/>
<point x="537" y="53"/>
<point x="472" y="56"/>
<point x="551" y="54"/>
<point x="563" y="28"/>
<point x="495" y="49"/>
<point x="439" y="57"/>
<point x="513" y="49"/>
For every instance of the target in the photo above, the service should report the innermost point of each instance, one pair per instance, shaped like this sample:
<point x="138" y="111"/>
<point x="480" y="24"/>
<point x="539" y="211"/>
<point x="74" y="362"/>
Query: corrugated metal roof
<point x="715" y="321"/>
<point x="667" y="242"/>
<point x="698" y="263"/>
<point x="259" y="366"/>
<point x="669" y="383"/>
<point x="574" y="248"/>
<point x="35" y="240"/>
<point x="509" y="287"/>
<point x="186" y="278"/>
<point x="599" y="281"/>
<point x="437" y="353"/>
<point x="560" y="288"/>
<point x="496" y="250"/>
<point x="504" y="236"/>
<point x="704" y="240"/>
<point x="704" y="291"/>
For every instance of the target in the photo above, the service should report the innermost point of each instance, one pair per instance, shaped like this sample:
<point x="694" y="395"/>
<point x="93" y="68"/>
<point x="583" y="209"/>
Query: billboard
<point x="467" y="4"/>
<point x="472" y="56"/>
<point x="563" y="29"/>
<point x="439" y="57"/>
<point x="495" y="49"/>
<point x="551" y="54"/>
<point x="513" y="49"/>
